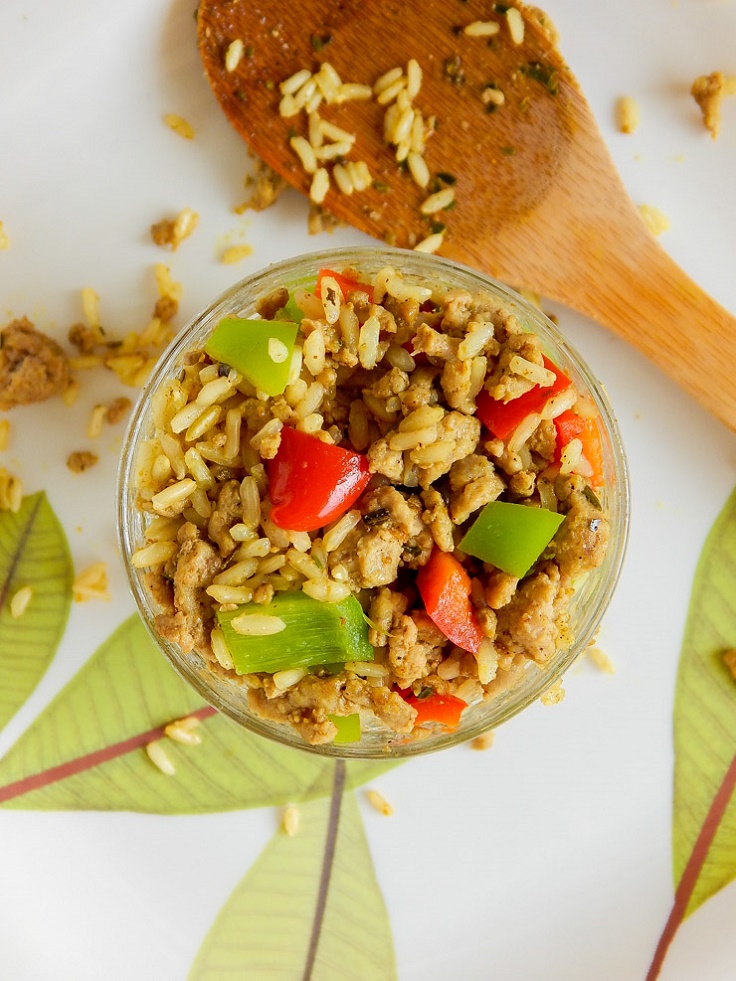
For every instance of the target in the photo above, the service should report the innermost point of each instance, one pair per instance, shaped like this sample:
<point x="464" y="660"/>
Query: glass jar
<point x="514" y="690"/>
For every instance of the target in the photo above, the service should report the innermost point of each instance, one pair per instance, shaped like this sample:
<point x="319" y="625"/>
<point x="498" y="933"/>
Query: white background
<point x="547" y="857"/>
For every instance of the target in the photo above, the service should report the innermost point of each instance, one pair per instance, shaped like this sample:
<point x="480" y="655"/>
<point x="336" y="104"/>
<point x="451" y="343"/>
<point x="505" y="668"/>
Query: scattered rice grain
<point x="20" y="601"/>
<point x="379" y="802"/>
<point x="157" y="755"/>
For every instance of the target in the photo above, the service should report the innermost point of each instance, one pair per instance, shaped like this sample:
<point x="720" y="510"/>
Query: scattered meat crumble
<point x="81" y="460"/>
<point x="33" y="367"/>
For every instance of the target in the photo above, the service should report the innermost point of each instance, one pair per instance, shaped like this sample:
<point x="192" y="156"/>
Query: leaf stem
<point x="338" y="786"/>
<point x="81" y="763"/>
<point x="15" y="557"/>
<point x="692" y="870"/>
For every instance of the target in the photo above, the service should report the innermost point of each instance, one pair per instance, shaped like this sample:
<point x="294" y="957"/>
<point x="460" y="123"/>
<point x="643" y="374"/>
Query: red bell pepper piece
<point x="445" y="589"/>
<point x="570" y="426"/>
<point x="502" y="418"/>
<point x="311" y="483"/>
<point x="445" y="709"/>
<point x="346" y="283"/>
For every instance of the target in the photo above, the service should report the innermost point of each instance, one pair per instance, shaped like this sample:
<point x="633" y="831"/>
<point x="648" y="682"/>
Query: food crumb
<point x="157" y="755"/>
<point x="268" y="187"/>
<point x="96" y="420"/>
<point x="708" y="92"/>
<point x="601" y="660"/>
<point x="236" y="253"/>
<point x="627" y="114"/>
<point x="81" y="460"/>
<point x="19" y="601"/>
<point x="379" y="802"/>
<point x="116" y="409"/>
<point x="655" y="220"/>
<point x="554" y="694"/>
<point x="290" y="820"/>
<point x="91" y="583"/>
<point x="11" y="491"/>
<point x="4" y="240"/>
<point x="172" y="231"/>
<point x="184" y="731"/>
<point x="484" y="741"/>
<point x="234" y="54"/>
<point x="33" y="367"/>
<point x="729" y="659"/>
<point x="179" y="125"/>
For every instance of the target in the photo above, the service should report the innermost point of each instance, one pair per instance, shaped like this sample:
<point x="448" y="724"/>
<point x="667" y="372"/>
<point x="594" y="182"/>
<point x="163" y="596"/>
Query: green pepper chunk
<point x="290" y="311"/>
<point x="314" y="633"/>
<point x="511" y="536"/>
<point x="259" y="349"/>
<point x="348" y="728"/>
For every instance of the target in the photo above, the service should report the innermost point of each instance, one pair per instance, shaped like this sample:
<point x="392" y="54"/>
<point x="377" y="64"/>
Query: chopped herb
<point x="413" y="550"/>
<point x="248" y="51"/>
<point x="491" y="107"/>
<point x="320" y="41"/>
<point x="380" y="185"/>
<point x="291" y="133"/>
<point x="270" y="84"/>
<point x="240" y="95"/>
<point x="438" y="227"/>
<point x="451" y="205"/>
<point x="508" y="151"/>
<point x="501" y="8"/>
<point x="590" y="494"/>
<point x="425" y="692"/>
<point x="446" y="178"/>
<point x="376" y="517"/>
<point x="544" y="74"/>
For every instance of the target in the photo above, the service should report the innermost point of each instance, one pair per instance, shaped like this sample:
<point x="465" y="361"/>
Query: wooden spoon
<point x="538" y="201"/>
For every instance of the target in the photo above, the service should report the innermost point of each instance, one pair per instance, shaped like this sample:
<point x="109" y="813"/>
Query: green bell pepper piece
<point x="315" y="633"/>
<point x="244" y="345"/>
<point x="511" y="536"/>
<point x="348" y="728"/>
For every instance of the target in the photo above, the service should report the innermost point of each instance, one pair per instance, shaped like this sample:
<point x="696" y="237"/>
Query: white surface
<point x="547" y="857"/>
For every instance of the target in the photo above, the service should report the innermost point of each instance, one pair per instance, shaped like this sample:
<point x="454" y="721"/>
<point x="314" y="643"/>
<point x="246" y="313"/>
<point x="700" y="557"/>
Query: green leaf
<point x="86" y="751"/>
<point x="33" y="552"/>
<point x="310" y="906"/>
<point x="704" y="809"/>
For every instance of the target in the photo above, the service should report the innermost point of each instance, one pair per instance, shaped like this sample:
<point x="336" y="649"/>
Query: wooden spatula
<point x="537" y="200"/>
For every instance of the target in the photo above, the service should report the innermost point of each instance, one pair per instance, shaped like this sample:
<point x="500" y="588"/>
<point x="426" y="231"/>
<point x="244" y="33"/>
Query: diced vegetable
<point x="502" y="418"/>
<point x="570" y="426"/>
<point x="314" y="633"/>
<point x="259" y="349"/>
<point x="291" y="311"/>
<point x="511" y="536"/>
<point x="311" y="483"/>
<point x="348" y="728"/>
<point x="346" y="283"/>
<point x="445" y="709"/>
<point x="445" y="589"/>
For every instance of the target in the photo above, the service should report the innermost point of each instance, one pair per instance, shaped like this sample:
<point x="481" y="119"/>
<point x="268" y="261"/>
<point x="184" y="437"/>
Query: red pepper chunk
<point x="445" y="589"/>
<point x="311" y="483"/>
<point x="570" y="426"/>
<point x="502" y="418"/>
<point x="346" y="284"/>
<point x="445" y="709"/>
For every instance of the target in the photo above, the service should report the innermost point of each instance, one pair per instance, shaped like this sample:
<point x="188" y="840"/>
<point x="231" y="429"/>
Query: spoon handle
<point x="642" y="295"/>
